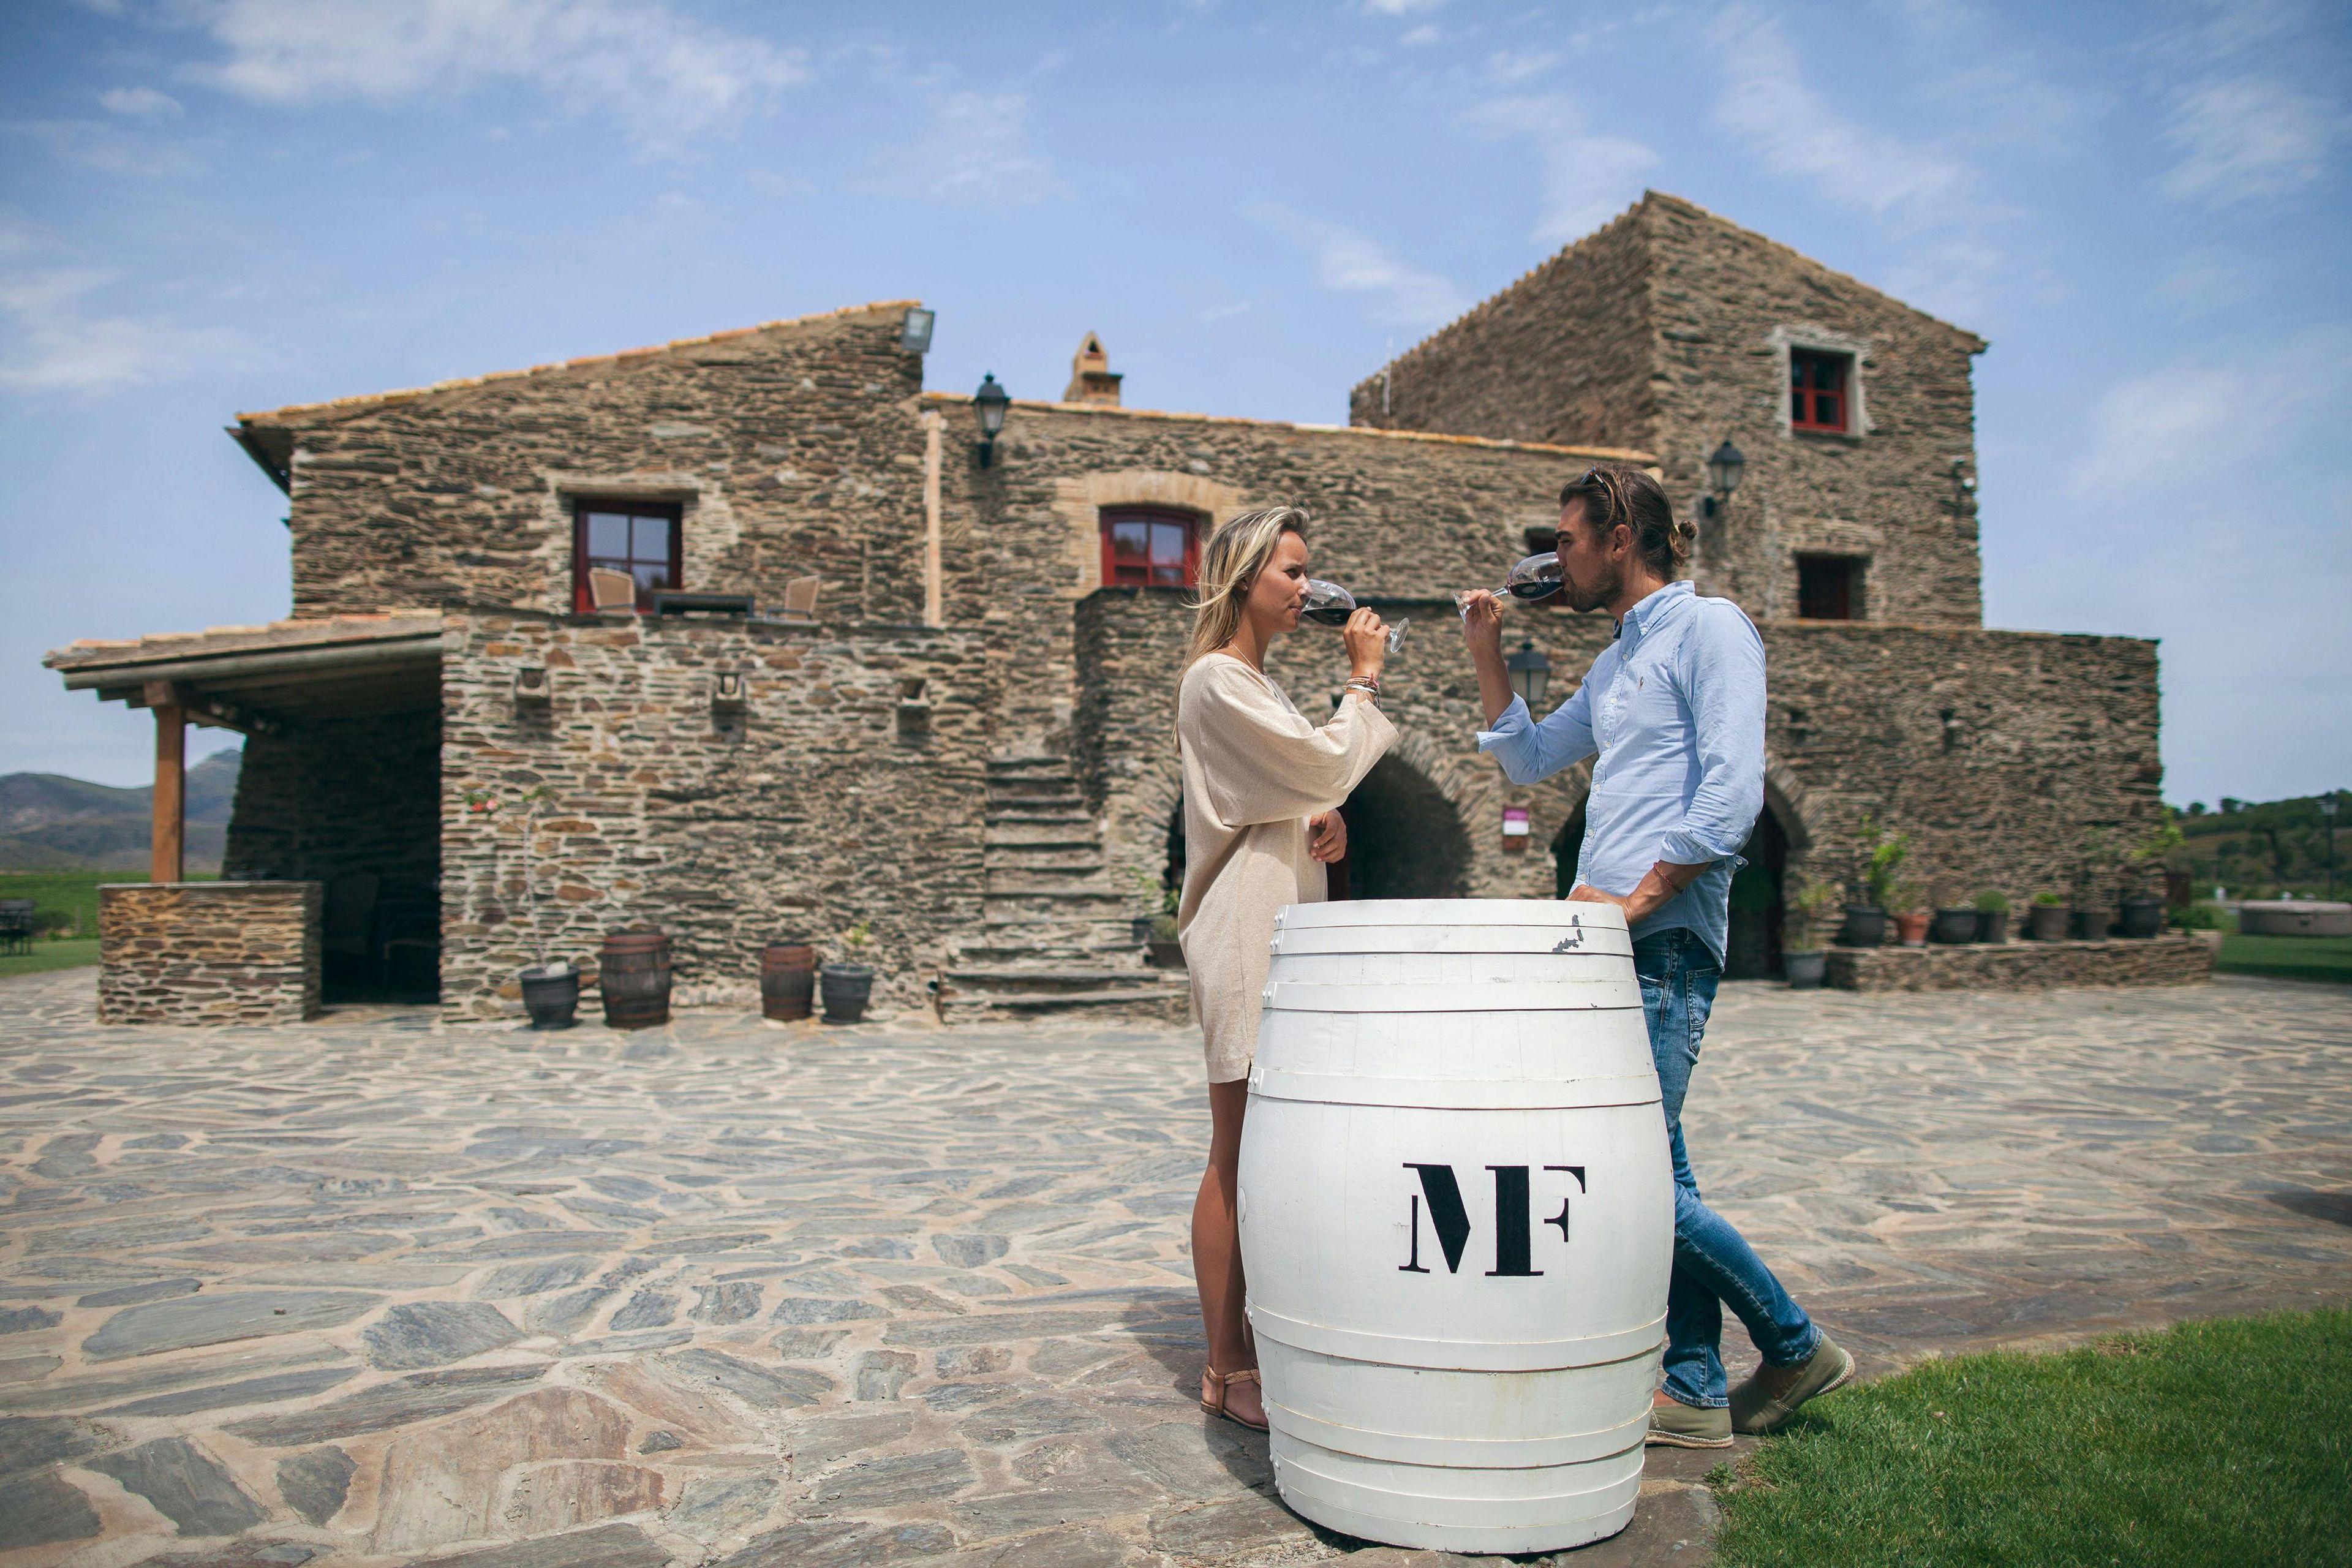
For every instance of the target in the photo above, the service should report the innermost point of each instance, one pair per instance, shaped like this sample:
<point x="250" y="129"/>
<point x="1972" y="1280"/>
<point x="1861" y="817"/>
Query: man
<point x="1674" y="710"/>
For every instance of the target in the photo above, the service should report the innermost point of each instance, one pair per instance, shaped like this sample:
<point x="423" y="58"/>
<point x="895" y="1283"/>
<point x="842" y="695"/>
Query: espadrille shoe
<point x="1756" y="1410"/>
<point x="1673" y="1425"/>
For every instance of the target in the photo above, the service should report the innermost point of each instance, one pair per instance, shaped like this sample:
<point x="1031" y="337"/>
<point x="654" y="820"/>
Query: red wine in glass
<point x="1330" y="604"/>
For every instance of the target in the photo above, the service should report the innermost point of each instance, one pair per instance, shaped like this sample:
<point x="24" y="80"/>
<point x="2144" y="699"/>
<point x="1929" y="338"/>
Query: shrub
<point x="1993" y="903"/>
<point x="2048" y="899"/>
<point x="2202" y="915"/>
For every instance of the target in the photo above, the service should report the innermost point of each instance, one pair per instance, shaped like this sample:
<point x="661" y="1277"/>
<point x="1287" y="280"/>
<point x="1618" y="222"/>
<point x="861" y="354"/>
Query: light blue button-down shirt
<point x="1675" y="709"/>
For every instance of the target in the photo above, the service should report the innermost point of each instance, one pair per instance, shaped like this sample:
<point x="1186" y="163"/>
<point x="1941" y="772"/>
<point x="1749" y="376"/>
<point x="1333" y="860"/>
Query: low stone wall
<point x="208" y="953"/>
<point x="2180" y="958"/>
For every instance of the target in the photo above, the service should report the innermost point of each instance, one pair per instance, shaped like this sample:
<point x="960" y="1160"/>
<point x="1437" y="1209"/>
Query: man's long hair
<point x="1620" y="492"/>
<point x="1230" y="563"/>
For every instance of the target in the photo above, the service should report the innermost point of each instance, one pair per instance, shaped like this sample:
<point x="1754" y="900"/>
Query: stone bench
<point x="2175" y="958"/>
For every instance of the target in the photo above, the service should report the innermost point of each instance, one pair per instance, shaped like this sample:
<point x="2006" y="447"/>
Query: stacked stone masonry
<point x="2181" y="958"/>
<point x="208" y="953"/>
<point x="845" y="789"/>
<point x="1670" y="330"/>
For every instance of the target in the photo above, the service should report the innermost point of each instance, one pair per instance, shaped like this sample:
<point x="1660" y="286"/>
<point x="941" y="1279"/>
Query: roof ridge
<point x="456" y="384"/>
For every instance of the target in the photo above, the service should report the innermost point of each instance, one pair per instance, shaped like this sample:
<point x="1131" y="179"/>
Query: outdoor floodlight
<point x="914" y="331"/>
<point x="991" y="402"/>
<point x="727" y="694"/>
<point x="1723" y="468"/>
<point x="530" y="688"/>
<point x="1530" y="672"/>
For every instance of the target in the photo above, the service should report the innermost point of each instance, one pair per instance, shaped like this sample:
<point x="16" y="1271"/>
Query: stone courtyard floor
<point x="376" y="1290"/>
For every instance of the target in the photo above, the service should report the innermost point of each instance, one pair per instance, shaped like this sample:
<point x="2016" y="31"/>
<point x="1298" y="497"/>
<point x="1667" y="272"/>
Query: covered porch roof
<point x="252" y="679"/>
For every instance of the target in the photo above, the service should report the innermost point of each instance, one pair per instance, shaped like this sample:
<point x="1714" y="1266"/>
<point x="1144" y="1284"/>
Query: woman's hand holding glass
<point x="1367" y="636"/>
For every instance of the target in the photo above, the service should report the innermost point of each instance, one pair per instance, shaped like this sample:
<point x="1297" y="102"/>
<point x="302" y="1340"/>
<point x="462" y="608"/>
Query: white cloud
<point x="976" y="153"/>
<point x="1400" y="8"/>
<point x="1797" y="132"/>
<point x="2246" y="138"/>
<point x="1587" y="179"/>
<point x="665" y="77"/>
<point x="140" y="103"/>
<point x="52" y="340"/>
<point x="2165" y="432"/>
<point x="1346" y="262"/>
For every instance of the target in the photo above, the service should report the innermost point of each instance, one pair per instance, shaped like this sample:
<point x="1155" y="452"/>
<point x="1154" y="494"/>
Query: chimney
<point x="1091" y="378"/>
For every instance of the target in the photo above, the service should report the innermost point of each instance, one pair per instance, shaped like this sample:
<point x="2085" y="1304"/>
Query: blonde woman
<point x="1262" y="793"/>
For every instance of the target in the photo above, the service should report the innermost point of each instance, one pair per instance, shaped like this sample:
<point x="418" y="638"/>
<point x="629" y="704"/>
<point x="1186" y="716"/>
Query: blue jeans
<point x="1714" y="1265"/>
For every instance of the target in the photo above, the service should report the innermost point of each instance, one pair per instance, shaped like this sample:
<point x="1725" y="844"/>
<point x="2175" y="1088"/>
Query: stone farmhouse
<point x="965" y="742"/>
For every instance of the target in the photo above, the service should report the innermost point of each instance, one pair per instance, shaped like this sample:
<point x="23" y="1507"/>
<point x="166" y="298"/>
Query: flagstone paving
<point x="376" y="1290"/>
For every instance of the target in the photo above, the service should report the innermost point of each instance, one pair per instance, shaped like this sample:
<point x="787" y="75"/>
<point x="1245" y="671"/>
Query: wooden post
<point x="168" y="860"/>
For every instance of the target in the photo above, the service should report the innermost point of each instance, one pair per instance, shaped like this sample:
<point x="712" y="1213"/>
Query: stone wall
<point x="2178" y="958"/>
<point x="848" y="788"/>
<point x="794" y="449"/>
<point x="208" y="953"/>
<point x="1395" y="515"/>
<point x="324" y="797"/>
<point x="1996" y="753"/>
<point x="1669" y="330"/>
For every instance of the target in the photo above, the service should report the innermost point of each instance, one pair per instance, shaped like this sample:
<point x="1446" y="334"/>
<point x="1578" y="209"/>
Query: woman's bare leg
<point x="1217" y="1250"/>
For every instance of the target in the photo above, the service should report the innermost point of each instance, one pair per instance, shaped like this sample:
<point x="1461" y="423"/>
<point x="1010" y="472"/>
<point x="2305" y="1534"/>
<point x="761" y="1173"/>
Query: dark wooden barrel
<point x="787" y="979"/>
<point x="636" y="980"/>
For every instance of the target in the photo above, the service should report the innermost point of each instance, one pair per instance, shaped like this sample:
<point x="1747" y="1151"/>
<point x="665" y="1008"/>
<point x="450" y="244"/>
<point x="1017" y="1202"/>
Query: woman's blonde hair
<point x="1230" y="563"/>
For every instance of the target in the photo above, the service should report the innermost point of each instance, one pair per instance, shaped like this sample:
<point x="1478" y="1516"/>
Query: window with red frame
<point x="1145" y="548"/>
<point x="1829" y="588"/>
<point x="1817" y="389"/>
<point x="635" y="537"/>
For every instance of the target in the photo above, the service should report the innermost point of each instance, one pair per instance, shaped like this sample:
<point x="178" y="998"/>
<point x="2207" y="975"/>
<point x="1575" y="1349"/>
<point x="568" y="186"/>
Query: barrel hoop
<point x="1553" y="912"/>
<point x="1613" y="993"/>
<point x="1455" y="941"/>
<point x="1457" y="1094"/>
<point x="1458" y="1355"/>
<point x="1460" y="1453"/>
<point x="1292" y="1465"/>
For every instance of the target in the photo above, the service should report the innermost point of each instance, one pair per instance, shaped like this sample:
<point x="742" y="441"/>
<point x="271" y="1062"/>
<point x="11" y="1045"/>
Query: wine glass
<point x="1330" y="604"/>
<point x="1535" y="577"/>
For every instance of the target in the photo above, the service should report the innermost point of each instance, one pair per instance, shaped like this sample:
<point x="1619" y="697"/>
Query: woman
<point x="1261" y="792"/>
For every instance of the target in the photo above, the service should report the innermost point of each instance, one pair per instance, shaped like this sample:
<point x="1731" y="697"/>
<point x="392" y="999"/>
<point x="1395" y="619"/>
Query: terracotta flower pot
<point x="1912" y="929"/>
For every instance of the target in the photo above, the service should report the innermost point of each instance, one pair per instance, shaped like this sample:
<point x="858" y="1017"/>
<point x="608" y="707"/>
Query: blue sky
<point x="209" y="205"/>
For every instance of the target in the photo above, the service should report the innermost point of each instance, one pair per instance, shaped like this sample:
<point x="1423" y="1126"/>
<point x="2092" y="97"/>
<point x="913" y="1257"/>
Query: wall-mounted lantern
<point x="1515" y="829"/>
<point x="990" y="403"/>
<point x="915" y="330"/>
<point x="729" y="692"/>
<point x="914" y="709"/>
<point x="1963" y="485"/>
<point x="1530" y="672"/>
<point x="531" y="689"/>
<point x="1723" y="468"/>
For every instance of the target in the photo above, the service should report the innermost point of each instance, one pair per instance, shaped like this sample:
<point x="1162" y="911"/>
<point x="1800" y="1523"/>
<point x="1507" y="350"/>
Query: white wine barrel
<point x="1456" y="1220"/>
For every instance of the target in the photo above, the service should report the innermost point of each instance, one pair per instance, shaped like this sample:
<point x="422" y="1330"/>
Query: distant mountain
<point x="52" y="823"/>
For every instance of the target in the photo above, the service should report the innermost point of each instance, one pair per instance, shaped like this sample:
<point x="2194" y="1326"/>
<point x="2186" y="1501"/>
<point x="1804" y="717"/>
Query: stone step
<point x="1011" y="816"/>
<point x="1041" y="835"/>
<point x="1002" y="767"/>
<point x="1050" y="903"/>
<point x="1089" y="876"/>
<point x="1169" y="1006"/>
<point x="1043" y="978"/>
<point x="1046" y="955"/>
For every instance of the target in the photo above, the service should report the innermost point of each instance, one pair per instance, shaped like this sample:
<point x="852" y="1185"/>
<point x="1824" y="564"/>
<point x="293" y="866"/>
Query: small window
<point x="1148" y="549"/>
<point x="1829" y="587"/>
<point x="1817" y="389"/>
<point x="635" y="537"/>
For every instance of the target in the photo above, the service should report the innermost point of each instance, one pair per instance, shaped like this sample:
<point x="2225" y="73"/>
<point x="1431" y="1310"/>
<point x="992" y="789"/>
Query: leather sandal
<point x="1221" y="1381"/>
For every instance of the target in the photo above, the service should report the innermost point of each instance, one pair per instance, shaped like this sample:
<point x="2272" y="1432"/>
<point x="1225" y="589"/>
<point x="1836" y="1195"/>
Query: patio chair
<point x="15" y="925"/>
<point x="611" y="591"/>
<point x="800" y="598"/>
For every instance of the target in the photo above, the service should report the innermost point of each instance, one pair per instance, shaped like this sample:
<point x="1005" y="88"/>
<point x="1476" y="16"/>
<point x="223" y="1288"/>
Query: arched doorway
<point x="1405" y="838"/>
<point x="1752" y="949"/>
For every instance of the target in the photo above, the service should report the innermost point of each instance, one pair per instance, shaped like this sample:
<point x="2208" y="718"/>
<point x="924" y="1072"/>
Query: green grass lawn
<point x="2226" y="1444"/>
<point x="71" y="953"/>
<point x="2293" y="957"/>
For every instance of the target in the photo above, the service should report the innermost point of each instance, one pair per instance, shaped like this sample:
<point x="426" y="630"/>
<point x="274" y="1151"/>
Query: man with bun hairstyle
<point x="1674" y="712"/>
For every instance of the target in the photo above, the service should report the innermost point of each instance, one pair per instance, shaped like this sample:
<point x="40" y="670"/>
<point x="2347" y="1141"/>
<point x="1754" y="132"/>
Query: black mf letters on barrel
<point x="1514" y="1232"/>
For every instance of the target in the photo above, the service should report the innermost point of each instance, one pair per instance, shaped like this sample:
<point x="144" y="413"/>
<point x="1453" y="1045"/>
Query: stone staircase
<point x="1057" y="933"/>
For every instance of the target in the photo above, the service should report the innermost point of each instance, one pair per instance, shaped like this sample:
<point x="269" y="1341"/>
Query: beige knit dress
<point x="1255" y="771"/>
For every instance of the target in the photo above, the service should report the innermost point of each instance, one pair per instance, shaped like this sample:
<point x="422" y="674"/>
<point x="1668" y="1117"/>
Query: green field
<point x="2216" y="1445"/>
<point x="72" y="953"/>
<point x="2287" y="957"/>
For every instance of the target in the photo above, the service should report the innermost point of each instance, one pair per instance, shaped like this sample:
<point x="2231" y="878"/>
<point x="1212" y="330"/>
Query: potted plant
<point x="1883" y="856"/>
<point x="1910" y="919"/>
<point x="2092" y="913"/>
<point x="1954" y="924"/>
<point x="1808" y="965"/>
<point x="551" y="988"/>
<point x="2142" y="912"/>
<point x="1993" y="917"/>
<point x="847" y="986"/>
<point x="2046" y="918"/>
